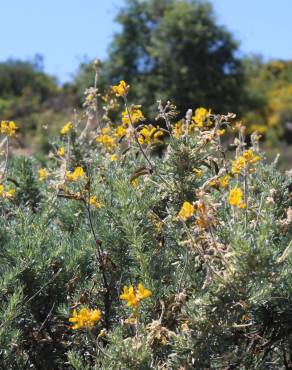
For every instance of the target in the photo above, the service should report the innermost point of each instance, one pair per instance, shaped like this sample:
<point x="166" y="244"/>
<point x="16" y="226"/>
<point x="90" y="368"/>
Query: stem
<point x="107" y="302"/>
<point x="95" y="341"/>
<point x="184" y="270"/>
<point x="245" y="196"/>
<point x="6" y="157"/>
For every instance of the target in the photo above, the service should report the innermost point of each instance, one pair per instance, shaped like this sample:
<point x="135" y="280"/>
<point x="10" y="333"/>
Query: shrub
<point x="141" y="247"/>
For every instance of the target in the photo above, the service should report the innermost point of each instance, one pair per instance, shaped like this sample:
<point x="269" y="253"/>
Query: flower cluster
<point x="222" y="181"/>
<point x="135" y="113"/>
<point x="8" y="128"/>
<point x="247" y="158"/>
<point x="85" y="318"/>
<point x="42" y="174"/>
<point x="187" y="210"/>
<point x="235" y="198"/>
<point x="94" y="202"/>
<point x="121" y="89"/>
<point x="61" y="151"/>
<point x="107" y="139"/>
<point x="77" y="174"/>
<point x="133" y="296"/>
<point x="6" y="193"/>
<point x="202" y="117"/>
<point x="150" y="134"/>
<point x="66" y="128"/>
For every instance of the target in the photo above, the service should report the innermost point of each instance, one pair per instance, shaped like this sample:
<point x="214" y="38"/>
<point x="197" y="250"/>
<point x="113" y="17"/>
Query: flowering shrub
<point x="177" y="258"/>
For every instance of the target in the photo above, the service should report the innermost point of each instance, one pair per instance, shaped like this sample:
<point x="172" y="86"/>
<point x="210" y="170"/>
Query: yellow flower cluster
<point x="6" y="194"/>
<point x="235" y="198"/>
<point x="248" y="157"/>
<point x="121" y="89"/>
<point x="136" y="116"/>
<point x="133" y="296"/>
<point x="181" y="128"/>
<point x="107" y="141"/>
<point x="76" y="174"/>
<point x="149" y="134"/>
<point x="113" y="157"/>
<point x="201" y="117"/>
<point x="198" y="172"/>
<point x="186" y="211"/>
<point x="8" y="128"/>
<point x="42" y="174"/>
<point x="177" y="130"/>
<point x="94" y="202"/>
<point x="66" y="128"/>
<point x="85" y="318"/>
<point x="61" y="151"/>
<point x="222" y="182"/>
<point x="107" y="138"/>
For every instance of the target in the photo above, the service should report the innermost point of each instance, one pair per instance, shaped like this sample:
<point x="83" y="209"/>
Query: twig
<point x="47" y="318"/>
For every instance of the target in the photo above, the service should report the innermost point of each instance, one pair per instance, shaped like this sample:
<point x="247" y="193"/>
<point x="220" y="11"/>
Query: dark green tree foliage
<point x="33" y="99"/>
<point x="16" y="77"/>
<point x="175" y="50"/>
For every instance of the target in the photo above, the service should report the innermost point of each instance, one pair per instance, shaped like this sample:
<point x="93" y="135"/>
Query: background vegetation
<point x="173" y="50"/>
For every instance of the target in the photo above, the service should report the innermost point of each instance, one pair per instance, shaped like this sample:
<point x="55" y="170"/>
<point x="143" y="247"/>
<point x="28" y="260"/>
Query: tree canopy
<point x="170" y="49"/>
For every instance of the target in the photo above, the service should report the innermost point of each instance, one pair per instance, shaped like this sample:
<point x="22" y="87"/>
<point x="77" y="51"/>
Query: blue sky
<point x="67" y="32"/>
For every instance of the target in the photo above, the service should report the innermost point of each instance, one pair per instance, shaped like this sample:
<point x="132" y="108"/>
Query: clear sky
<point x="67" y="32"/>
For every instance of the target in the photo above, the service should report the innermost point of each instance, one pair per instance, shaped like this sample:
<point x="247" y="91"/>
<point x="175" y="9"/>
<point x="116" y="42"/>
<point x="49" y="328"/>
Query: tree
<point x="17" y="77"/>
<point x="269" y="92"/>
<point x="174" y="49"/>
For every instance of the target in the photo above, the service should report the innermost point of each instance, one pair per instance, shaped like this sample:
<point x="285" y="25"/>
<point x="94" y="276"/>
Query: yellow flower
<point x="94" y="202"/>
<point x="143" y="293"/>
<point x="42" y="174"/>
<point x="135" y="183"/>
<point x="102" y="333"/>
<point x="129" y="296"/>
<point x="221" y="132"/>
<point x="76" y="174"/>
<point x="237" y="165"/>
<point x="61" y="152"/>
<point x="149" y="134"/>
<point x="247" y="157"/>
<point x="66" y="128"/>
<point x="201" y="116"/>
<point x="198" y="172"/>
<point x="8" y="128"/>
<point x="107" y="141"/>
<point x="113" y="157"/>
<point x="134" y="296"/>
<point x="177" y="130"/>
<point x="121" y="89"/>
<point x="85" y="318"/>
<point x="224" y="181"/>
<point x="10" y="193"/>
<point x="235" y="198"/>
<point x="186" y="211"/>
<point x="120" y="131"/>
<point x="6" y="194"/>
<point x="136" y="116"/>
<point x="250" y="157"/>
